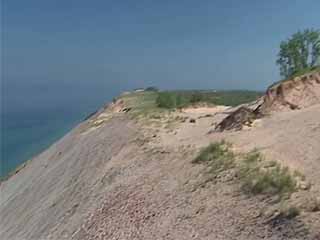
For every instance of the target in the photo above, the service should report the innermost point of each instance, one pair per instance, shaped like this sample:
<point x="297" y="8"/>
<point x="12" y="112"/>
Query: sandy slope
<point x="53" y="193"/>
<point x="116" y="179"/>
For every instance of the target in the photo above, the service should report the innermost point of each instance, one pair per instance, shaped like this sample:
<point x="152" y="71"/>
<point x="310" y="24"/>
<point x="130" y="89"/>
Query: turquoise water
<point x="29" y="127"/>
<point x="23" y="140"/>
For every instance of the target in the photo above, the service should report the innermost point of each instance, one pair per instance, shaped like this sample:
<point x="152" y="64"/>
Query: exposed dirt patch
<point x="297" y="93"/>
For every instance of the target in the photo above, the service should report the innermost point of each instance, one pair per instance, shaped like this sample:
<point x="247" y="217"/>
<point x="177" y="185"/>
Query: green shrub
<point x="170" y="100"/>
<point x="179" y="99"/>
<point x="165" y="100"/>
<point x="151" y="89"/>
<point x="197" y="97"/>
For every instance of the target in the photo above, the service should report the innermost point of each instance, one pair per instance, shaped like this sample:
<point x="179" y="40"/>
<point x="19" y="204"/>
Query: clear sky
<point x="123" y="44"/>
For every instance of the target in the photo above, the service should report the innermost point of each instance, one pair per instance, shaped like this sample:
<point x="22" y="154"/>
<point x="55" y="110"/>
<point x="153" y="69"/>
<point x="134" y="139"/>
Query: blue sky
<point x="81" y="44"/>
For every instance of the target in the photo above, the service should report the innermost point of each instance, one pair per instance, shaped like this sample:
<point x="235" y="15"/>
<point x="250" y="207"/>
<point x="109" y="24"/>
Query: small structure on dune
<point x="243" y="116"/>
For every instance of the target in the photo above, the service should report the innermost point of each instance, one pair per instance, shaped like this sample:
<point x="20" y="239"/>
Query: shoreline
<point x="42" y="149"/>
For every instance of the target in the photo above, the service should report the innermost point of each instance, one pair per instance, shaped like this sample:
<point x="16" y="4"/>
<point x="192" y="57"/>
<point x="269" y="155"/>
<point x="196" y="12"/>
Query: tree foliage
<point x="300" y="52"/>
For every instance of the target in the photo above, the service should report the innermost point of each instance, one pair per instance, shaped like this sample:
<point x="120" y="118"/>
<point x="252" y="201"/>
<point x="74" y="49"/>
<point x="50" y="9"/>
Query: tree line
<point x="299" y="53"/>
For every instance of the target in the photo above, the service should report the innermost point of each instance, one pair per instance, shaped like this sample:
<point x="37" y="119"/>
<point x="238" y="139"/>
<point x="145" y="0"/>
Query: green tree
<point x="300" y="52"/>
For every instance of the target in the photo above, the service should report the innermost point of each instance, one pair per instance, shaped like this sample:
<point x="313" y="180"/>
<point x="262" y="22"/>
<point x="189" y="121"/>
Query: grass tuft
<point x="255" y="175"/>
<point x="217" y="156"/>
<point x="273" y="180"/>
<point x="289" y="212"/>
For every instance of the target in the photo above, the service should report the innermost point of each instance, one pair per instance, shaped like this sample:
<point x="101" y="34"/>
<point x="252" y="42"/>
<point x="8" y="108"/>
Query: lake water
<point x="33" y="117"/>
